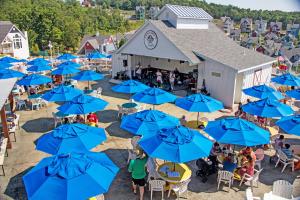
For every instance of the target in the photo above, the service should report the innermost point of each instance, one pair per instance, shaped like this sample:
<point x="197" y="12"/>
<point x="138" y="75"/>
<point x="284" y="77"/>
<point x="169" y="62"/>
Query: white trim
<point x="257" y="66"/>
<point x="13" y="26"/>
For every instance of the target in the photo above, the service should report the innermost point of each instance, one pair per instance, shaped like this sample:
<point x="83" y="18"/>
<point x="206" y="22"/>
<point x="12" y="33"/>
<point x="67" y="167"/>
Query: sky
<point x="284" y="5"/>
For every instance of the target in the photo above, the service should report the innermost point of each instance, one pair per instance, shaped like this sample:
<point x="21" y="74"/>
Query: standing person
<point x="137" y="168"/>
<point x="138" y="72"/>
<point x="172" y="80"/>
<point x="159" y="78"/>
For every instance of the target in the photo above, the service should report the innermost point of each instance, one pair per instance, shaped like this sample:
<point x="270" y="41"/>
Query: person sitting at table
<point x="32" y="90"/>
<point x="79" y="119"/>
<point x="229" y="163"/>
<point x="279" y="142"/>
<point x="92" y="119"/>
<point x="137" y="168"/>
<point x="248" y="151"/>
<point x="216" y="149"/>
<point x="66" y="121"/>
<point x="239" y="111"/>
<point x="159" y="79"/>
<point x="183" y="121"/>
<point x="286" y="150"/>
<point x="247" y="167"/>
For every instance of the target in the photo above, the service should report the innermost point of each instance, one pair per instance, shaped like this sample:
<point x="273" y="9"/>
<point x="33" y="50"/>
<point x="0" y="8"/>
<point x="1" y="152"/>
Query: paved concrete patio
<point x="33" y="124"/>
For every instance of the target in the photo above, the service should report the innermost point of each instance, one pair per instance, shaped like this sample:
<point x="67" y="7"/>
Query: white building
<point x="227" y="24"/>
<point x="13" y="42"/>
<point x="261" y="26"/>
<point x="186" y="39"/>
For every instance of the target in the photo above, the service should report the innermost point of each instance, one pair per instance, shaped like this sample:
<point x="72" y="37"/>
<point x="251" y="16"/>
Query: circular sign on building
<point x="150" y="39"/>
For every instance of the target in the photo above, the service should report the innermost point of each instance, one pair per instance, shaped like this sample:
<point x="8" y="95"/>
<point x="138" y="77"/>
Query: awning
<point x="7" y="86"/>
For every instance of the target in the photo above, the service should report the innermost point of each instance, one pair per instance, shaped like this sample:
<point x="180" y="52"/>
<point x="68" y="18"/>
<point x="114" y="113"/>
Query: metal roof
<point x="8" y="85"/>
<point x="188" y="12"/>
<point x="212" y="44"/>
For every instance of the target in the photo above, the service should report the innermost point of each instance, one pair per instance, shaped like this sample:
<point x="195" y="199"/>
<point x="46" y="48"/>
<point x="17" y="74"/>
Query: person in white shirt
<point x="159" y="78"/>
<point x="172" y="80"/>
<point x="138" y="71"/>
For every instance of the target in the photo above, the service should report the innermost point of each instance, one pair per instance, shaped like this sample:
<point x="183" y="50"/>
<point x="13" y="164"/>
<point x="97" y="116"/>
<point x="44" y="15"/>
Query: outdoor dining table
<point x="88" y="91"/>
<point x="194" y="124"/>
<point x="180" y="174"/>
<point x="129" y="105"/>
<point x="34" y="96"/>
<point x="62" y="115"/>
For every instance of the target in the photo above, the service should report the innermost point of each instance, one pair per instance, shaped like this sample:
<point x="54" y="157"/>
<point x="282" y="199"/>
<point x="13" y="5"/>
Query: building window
<point x="216" y="74"/>
<point x="17" y="41"/>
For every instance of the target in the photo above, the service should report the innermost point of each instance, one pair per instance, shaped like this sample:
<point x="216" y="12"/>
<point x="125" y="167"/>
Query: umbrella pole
<point x="197" y="119"/>
<point x="88" y="84"/>
<point x="153" y="107"/>
<point x="174" y="167"/>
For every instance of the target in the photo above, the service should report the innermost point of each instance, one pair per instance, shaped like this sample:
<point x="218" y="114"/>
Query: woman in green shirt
<point x="137" y="168"/>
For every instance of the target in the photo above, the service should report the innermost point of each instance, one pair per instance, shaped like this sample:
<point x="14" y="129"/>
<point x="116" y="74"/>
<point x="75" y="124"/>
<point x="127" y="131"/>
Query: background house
<point x="13" y="42"/>
<point x="101" y="43"/>
<point x="227" y="24"/>
<point x="235" y="34"/>
<point x="153" y="12"/>
<point x="261" y="26"/>
<point x="293" y="29"/>
<point x="140" y="12"/>
<point x="246" y="25"/>
<point x="275" y="27"/>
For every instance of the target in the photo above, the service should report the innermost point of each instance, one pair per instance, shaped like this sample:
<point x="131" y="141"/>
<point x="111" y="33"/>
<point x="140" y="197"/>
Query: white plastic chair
<point x="225" y="177"/>
<point x="260" y="154"/>
<point x="283" y="189"/>
<point x="157" y="186"/>
<point x="251" y="179"/>
<point x="20" y="103"/>
<point x="121" y="111"/>
<point x="99" y="92"/>
<point x="284" y="160"/>
<point x="179" y="188"/>
<point x="35" y="103"/>
<point x="151" y="168"/>
<point x="56" y="119"/>
<point x="249" y="195"/>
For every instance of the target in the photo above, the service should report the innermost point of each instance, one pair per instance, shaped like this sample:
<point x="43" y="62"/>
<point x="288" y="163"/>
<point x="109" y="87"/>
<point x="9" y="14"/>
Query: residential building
<point x="275" y="27"/>
<point x="235" y="34"/>
<point x="86" y="3"/>
<point x="101" y="43"/>
<point x="246" y="25"/>
<point x="293" y="29"/>
<point x="153" y="12"/>
<point x="261" y="26"/>
<point x="13" y="42"/>
<point x="186" y="39"/>
<point x="227" y="24"/>
<point x="140" y="12"/>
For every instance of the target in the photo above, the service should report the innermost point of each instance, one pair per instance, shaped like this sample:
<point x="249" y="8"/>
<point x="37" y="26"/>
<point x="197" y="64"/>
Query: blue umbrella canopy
<point x="287" y="79"/>
<point x="237" y="131"/>
<point x="130" y="87"/>
<point x="290" y="124"/>
<point x="4" y="64"/>
<point x="262" y="92"/>
<point x="268" y="108"/>
<point x="177" y="144"/>
<point x="34" y="79"/>
<point x="88" y="75"/>
<point x="154" y="96"/>
<point x="96" y="55"/>
<point x="39" y="68"/>
<point x="71" y="138"/>
<point x="293" y="93"/>
<point x="66" y="56"/>
<point x="62" y="93"/>
<point x="199" y="103"/>
<point x="38" y="61"/>
<point x="109" y="56"/>
<point x="69" y="64"/>
<point x="65" y="71"/>
<point x="147" y="122"/>
<point x="8" y="73"/>
<point x="83" y="104"/>
<point x="9" y="59"/>
<point x="70" y="176"/>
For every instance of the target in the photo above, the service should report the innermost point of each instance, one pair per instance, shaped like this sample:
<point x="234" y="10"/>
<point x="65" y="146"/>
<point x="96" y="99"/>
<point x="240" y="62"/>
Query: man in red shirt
<point x="92" y="119"/>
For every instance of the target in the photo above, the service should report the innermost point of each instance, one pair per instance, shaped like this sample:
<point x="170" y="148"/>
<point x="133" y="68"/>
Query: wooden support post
<point x="5" y="127"/>
<point x="11" y="102"/>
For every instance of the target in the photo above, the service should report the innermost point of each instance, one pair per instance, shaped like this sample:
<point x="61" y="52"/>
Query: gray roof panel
<point x="189" y="12"/>
<point x="211" y="43"/>
<point x="5" y="27"/>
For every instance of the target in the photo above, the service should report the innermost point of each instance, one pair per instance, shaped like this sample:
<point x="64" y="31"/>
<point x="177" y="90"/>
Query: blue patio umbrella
<point x="154" y="96"/>
<point x="39" y="68"/>
<point x="8" y="73"/>
<point x="287" y="79"/>
<point x="62" y="93"/>
<point x="65" y="71"/>
<point x="290" y="124"/>
<point x="177" y="144"/>
<point x="88" y="75"/>
<point x="70" y="176"/>
<point x="109" y="56"/>
<point x="66" y="56"/>
<point x="293" y="93"/>
<point x="268" y="108"/>
<point x="71" y="138"/>
<point x="147" y="122"/>
<point x="4" y="65"/>
<point x="38" y="61"/>
<point x="69" y="64"/>
<point x="130" y="87"/>
<point x="262" y="92"/>
<point x="83" y="104"/>
<point x="96" y="55"/>
<point x="9" y="59"/>
<point x="34" y="79"/>
<point x="237" y="131"/>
